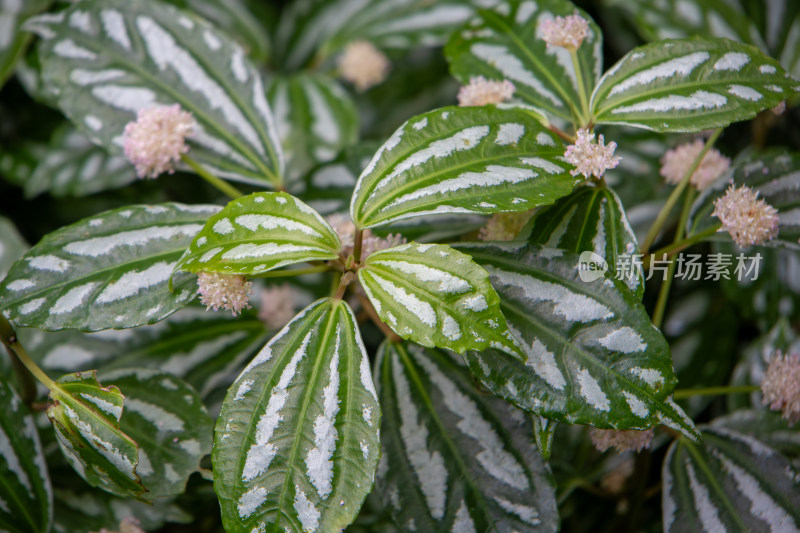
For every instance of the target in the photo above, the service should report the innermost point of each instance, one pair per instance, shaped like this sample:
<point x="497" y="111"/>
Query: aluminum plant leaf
<point x="12" y="245"/>
<point x="462" y="160"/>
<point x="593" y="356"/>
<point x="315" y="119"/>
<point x="236" y="19"/>
<point x="509" y="46"/>
<point x="73" y="166"/>
<point x="730" y="482"/>
<point x="776" y="178"/>
<point x="109" y="59"/>
<point x="26" y="496"/>
<point x="167" y="419"/>
<point x="436" y="297"/>
<point x="690" y="85"/>
<point x="456" y="459"/>
<point x="297" y="441"/>
<point x="591" y="219"/>
<point x="111" y="270"/>
<point x="261" y="232"/>
<point x="766" y="426"/>
<point x="86" y="417"/>
<point x="328" y="187"/>
<point x="13" y="41"/>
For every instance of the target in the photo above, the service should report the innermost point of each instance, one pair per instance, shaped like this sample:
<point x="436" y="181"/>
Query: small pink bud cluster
<point x="224" y="291"/>
<point x="156" y="140"/>
<point x="363" y="65"/>
<point x="781" y="386"/>
<point x="677" y="162"/>
<point x="623" y="440"/>
<point x="129" y="524"/>
<point x="277" y="306"/>
<point x="370" y="243"/>
<point x="749" y="219"/>
<point x="504" y="226"/>
<point x="589" y="158"/>
<point x="566" y="32"/>
<point x="481" y="91"/>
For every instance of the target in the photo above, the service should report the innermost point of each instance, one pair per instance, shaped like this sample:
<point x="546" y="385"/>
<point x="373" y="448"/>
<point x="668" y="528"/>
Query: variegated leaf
<point x="507" y="44"/>
<point x="776" y="178"/>
<point x="593" y="356"/>
<point x="437" y="297"/>
<point x="86" y="417"/>
<point x="730" y="482"/>
<point x="690" y="85"/>
<point x="591" y="219"/>
<point x="297" y="440"/>
<point x="12" y="245"/>
<point x="167" y="419"/>
<point x="13" y="42"/>
<point x="766" y="426"/>
<point x="109" y="59"/>
<point x="315" y="118"/>
<point x="73" y="166"/>
<point x="261" y="232"/>
<point x="111" y="270"/>
<point x="236" y="19"/>
<point x="328" y="188"/>
<point x="455" y="459"/>
<point x="26" y="497"/>
<point x="462" y="160"/>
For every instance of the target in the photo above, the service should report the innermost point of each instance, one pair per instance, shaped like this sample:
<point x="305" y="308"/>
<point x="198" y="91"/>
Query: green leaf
<point x="111" y="270"/>
<point x="86" y="416"/>
<point x="261" y="232"/>
<point x="690" y="85"/>
<point x="315" y="119"/>
<point x="766" y="426"/>
<point x="26" y="497"/>
<point x="593" y="356"/>
<point x="455" y="459"/>
<point x="166" y="417"/>
<point x="328" y="187"/>
<point x="509" y="46"/>
<point x="437" y="297"/>
<point x="544" y="430"/>
<point x="591" y="219"/>
<point x="13" y="42"/>
<point x="776" y="178"/>
<point x="109" y="59"/>
<point x="73" y="166"/>
<point x="12" y="245"/>
<point x="297" y="440"/>
<point x="731" y="482"/>
<point x="462" y="160"/>
<point x="239" y="23"/>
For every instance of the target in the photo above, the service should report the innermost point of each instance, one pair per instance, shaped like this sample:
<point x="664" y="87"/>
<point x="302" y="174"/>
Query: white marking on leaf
<point x="509" y="134"/>
<point x="767" y="69"/>
<point x="428" y="466"/>
<point x="494" y="457"/>
<point x="125" y="98"/>
<point x="319" y="459"/>
<point x="324" y="124"/>
<point x="156" y="415"/>
<point x="270" y="222"/>
<point x="544" y="139"/>
<point x="450" y="328"/>
<point x="638" y="407"/>
<point x="307" y="513"/>
<point x="476" y="303"/>
<point x="20" y="285"/>
<point x="67" y="48"/>
<point x="408" y="301"/>
<point x="72" y="299"/>
<point x="238" y="66"/>
<point x="732" y="61"/>
<point x="98" y="246"/>
<point x="538" y="162"/>
<point x="251" y="500"/>
<point x="745" y="92"/>
<point x="48" y="262"/>
<point x="679" y="66"/>
<point x="244" y="251"/>
<point x="114" y="26"/>
<point x="511" y="68"/>
<point x="13" y="463"/>
<point x="222" y="226"/>
<point x="697" y="100"/>
<point x="624" y="339"/>
<point x="543" y="362"/>
<point x="31" y="306"/>
<point x="591" y="391"/>
<point x="651" y="376"/>
<point x="448" y="283"/>
<point x="709" y="516"/>
<point x="133" y="282"/>
<point x="463" y="521"/>
<point x="104" y="405"/>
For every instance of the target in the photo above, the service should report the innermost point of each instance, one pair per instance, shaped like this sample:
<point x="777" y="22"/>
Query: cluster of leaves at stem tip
<point x="310" y="421"/>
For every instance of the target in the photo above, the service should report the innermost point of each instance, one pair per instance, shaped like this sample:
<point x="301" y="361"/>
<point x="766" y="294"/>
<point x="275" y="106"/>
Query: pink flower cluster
<point x="481" y="91"/>
<point x="224" y="291"/>
<point x="156" y="140"/>
<point x="676" y="163"/>
<point x="370" y="243"/>
<point x="504" y="226"/>
<point x="623" y="440"/>
<point x="363" y="65"/>
<point x="566" y="32"/>
<point x="589" y="158"/>
<point x="781" y="386"/>
<point x="749" y="219"/>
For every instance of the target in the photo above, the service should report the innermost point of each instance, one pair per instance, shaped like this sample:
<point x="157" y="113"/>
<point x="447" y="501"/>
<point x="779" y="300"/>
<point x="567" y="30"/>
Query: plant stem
<point x="357" y="243"/>
<point x="26" y="382"/>
<point x="681" y="394"/>
<point x="581" y="88"/>
<point x="225" y="187"/>
<point x="564" y="135"/>
<point x="10" y="340"/>
<point x="679" y="246"/>
<point x="652" y="234"/>
<point x="292" y="272"/>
